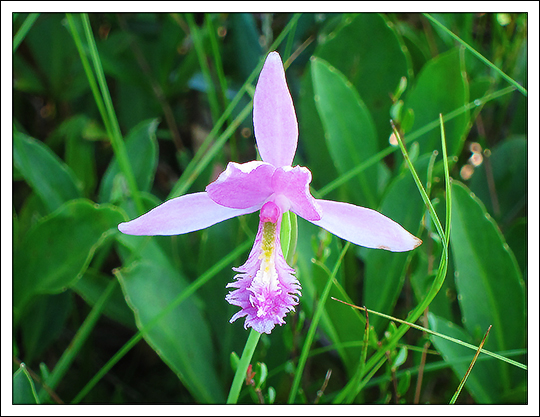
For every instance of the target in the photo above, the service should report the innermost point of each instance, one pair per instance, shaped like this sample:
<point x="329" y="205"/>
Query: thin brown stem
<point x="323" y="387"/>
<point x="422" y="363"/>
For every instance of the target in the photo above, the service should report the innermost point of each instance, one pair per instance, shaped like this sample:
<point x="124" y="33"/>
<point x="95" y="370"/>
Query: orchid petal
<point x="293" y="183"/>
<point x="181" y="215"/>
<point x="365" y="227"/>
<point x="242" y="185"/>
<point x="274" y="118"/>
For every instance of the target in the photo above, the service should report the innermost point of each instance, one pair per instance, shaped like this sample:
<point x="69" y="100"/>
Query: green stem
<point x="76" y="344"/>
<point x="110" y="121"/>
<point x="23" y="30"/>
<point x="478" y="55"/>
<point x="313" y="326"/>
<point x="290" y="41"/>
<point x="240" y="374"/>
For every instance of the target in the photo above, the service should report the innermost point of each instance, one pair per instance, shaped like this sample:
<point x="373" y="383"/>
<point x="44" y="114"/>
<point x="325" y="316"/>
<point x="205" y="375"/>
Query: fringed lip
<point x="266" y="289"/>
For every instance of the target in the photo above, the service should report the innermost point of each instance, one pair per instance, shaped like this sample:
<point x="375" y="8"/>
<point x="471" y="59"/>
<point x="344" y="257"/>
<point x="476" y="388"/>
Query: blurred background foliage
<point x="172" y="78"/>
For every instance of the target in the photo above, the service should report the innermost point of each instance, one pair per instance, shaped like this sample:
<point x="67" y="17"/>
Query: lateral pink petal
<point x="293" y="183"/>
<point x="274" y="118"/>
<point x="181" y="215"/>
<point x="365" y="227"/>
<point x="242" y="185"/>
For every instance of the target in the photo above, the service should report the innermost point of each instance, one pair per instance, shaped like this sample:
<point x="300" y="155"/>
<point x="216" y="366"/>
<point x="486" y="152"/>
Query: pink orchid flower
<point x="266" y="289"/>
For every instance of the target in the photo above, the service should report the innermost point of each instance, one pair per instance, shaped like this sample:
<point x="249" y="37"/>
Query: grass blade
<point x="23" y="30"/>
<point x="443" y="336"/>
<point x="477" y="54"/>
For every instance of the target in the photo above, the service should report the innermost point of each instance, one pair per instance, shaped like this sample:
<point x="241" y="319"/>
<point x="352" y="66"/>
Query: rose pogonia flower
<point x="266" y="289"/>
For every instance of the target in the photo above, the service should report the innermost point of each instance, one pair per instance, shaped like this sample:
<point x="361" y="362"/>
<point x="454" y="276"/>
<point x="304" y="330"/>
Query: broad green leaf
<point x="374" y="68"/>
<point x="244" y="35"/>
<point x="349" y="130"/>
<point x="488" y="280"/>
<point x="58" y="249"/>
<point x="141" y="147"/>
<point x="440" y="88"/>
<point x="311" y="132"/>
<point x="32" y="210"/>
<point x="385" y="271"/>
<point x="24" y="391"/>
<point x="47" y="174"/>
<point x="516" y="237"/>
<point x="182" y="337"/>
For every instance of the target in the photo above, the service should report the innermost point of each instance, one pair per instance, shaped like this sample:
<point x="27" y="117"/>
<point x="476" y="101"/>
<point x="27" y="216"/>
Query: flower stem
<point x="240" y="375"/>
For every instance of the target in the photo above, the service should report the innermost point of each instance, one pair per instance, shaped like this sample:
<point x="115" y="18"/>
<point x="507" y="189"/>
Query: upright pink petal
<point x="365" y="227"/>
<point x="242" y="185"/>
<point x="183" y="214"/>
<point x="266" y="289"/>
<point x="274" y="118"/>
<point x="293" y="183"/>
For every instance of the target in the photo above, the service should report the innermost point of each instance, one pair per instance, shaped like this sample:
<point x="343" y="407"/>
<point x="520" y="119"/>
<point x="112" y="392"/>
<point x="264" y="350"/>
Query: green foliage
<point x="24" y="391"/>
<point x="343" y="128"/>
<point x="127" y="110"/>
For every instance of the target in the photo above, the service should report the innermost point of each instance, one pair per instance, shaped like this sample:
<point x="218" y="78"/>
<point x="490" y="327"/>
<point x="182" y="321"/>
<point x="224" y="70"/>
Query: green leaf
<point x="245" y="36"/>
<point x="58" y="249"/>
<point x="349" y="130"/>
<point x="374" y="68"/>
<point x="182" y="337"/>
<point x="24" y="391"/>
<point x="141" y="147"/>
<point x="440" y="88"/>
<point x="488" y="280"/>
<point x="47" y="174"/>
